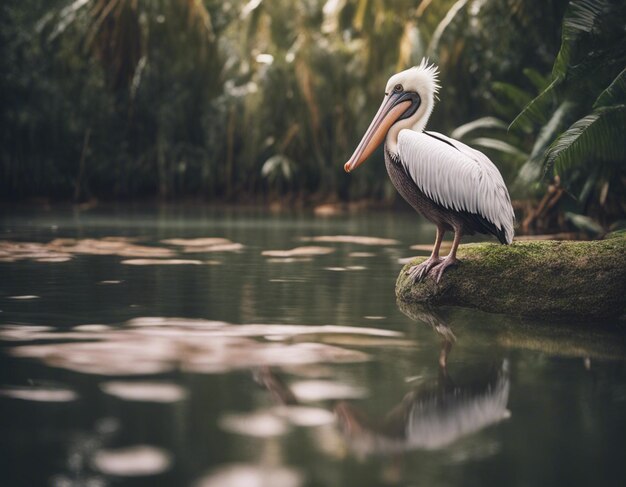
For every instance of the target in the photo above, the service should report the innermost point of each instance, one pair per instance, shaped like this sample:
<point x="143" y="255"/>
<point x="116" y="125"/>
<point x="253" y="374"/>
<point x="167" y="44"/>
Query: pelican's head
<point x="409" y="101"/>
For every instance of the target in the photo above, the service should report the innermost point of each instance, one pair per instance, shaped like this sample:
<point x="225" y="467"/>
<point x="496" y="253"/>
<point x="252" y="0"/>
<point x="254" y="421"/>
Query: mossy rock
<point x="557" y="280"/>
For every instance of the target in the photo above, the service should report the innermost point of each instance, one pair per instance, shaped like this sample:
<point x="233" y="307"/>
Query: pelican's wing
<point x="457" y="177"/>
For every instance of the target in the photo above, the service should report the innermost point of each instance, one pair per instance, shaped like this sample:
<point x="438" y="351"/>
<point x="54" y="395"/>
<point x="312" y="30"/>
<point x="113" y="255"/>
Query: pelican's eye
<point x="398" y="88"/>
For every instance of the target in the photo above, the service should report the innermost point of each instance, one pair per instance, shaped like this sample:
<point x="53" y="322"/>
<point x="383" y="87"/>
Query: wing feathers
<point x="457" y="177"/>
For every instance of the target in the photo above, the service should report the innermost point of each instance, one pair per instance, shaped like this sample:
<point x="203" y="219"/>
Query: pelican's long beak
<point x="391" y="109"/>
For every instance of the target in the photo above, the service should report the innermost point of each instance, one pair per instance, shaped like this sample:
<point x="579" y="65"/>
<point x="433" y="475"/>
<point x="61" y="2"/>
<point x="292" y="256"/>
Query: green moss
<point x="552" y="279"/>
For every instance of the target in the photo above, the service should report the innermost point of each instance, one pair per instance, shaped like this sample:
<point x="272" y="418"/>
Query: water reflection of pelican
<point x="431" y="416"/>
<point x="432" y="318"/>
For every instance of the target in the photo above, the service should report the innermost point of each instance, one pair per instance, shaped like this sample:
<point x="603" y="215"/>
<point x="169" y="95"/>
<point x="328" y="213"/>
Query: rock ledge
<point x="557" y="280"/>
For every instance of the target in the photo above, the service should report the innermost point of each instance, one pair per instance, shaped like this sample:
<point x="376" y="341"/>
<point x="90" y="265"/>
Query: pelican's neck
<point x="416" y="123"/>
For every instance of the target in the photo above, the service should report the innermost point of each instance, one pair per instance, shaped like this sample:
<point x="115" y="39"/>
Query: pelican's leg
<point x="450" y="260"/>
<point x="419" y="272"/>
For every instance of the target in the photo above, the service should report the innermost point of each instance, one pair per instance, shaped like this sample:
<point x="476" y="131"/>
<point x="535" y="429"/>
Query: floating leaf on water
<point x="308" y="251"/>
<point x="249" y="475"/>
<point x="229" y="247"/>
<point x="354" y="239"/>
<point x="110" y="282"/>
<point x="204" y="244"/>
<point x="118" y="355"/>
<point x="152" y="345"/>
<point x="40" y="394"/>
<point x="257" y="354"/>
<point x="63" y="241"/>
<point x="22" y="332"/>
<point x="323" y="390"/>
<point x="63" y="249"/>
<point x="197" y="242"/>
<point x="335" y="269"/>
<point x="356" y="268"/>
<point x="361" y="254"/>
<point x="132" y="461"/>
<point x="53" y="259"/>
<point x="288" y="260"/>
<point x="106" y="246"/>
<point x="24" y="297"/>
<point x="145" y="391"/>
<point x="374" y="317"/>
<point x="38" y="252"/>
<point x="120" y="368"/>
<point x="162" y="262"/>
<point x="305" y="415"/>
<point x="260" y="424"/>
<point x="258" y="330"/>
<point x="175" y="322"/>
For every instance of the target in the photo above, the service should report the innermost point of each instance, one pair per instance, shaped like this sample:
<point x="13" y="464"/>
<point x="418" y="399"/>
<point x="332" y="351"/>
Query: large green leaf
<point x="538" y="80"/>
<point x="433" y="46"/>
<point x="599" y="135"/>
<point x="499" y="146"/>
<point x="614" y="93"/>
<point x="538" y="108"/>
<point x="480" y="123"/>
<point x="514" y="94"/>
<point x="557" y="123"/>
<point x="581" y="17"/>
<point x="583" y="222"/>
<point x="531" y="170"/>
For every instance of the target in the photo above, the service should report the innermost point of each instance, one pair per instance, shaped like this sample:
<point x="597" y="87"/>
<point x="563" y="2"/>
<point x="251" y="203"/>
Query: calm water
<point x="193" y="373"/>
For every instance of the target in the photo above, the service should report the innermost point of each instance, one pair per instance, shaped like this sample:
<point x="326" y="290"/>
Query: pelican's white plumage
<point x="454" y="186"/>
<point x="456" y="177"/>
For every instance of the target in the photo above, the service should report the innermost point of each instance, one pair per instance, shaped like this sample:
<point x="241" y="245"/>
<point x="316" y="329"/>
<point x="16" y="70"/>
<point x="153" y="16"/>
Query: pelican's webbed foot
<point x="420" y="271"/>
<point x="438" y="270"/>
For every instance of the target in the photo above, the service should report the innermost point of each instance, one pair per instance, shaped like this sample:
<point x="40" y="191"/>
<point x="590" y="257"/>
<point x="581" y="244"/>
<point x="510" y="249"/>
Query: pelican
<point x="454" y="186"/>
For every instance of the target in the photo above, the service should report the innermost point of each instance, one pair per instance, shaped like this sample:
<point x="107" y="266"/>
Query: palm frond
<point x="480" y="123"/>
<point x="614" y="93"/>
<point x="537" y="109"/>
<point x="557" y="123"/>
<point x="538" y="80"/>
<point x="584" y="223"/>
<point x="581" y="17"/>
<point x="514" y="94"/>
<point x="433" y="46"/>
<point x="500" y="146"/>
<point x="531" y="170"/>
<point x="66" y="17"/>
<point x="599" y="135"/>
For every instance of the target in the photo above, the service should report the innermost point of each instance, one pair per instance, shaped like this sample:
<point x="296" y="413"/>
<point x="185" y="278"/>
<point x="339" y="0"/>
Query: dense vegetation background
<point x="265" y="99"/>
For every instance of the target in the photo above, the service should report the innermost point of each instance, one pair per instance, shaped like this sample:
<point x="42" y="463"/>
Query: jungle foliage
<point x="249" y="100"/>
<point x="570" y="126"/>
